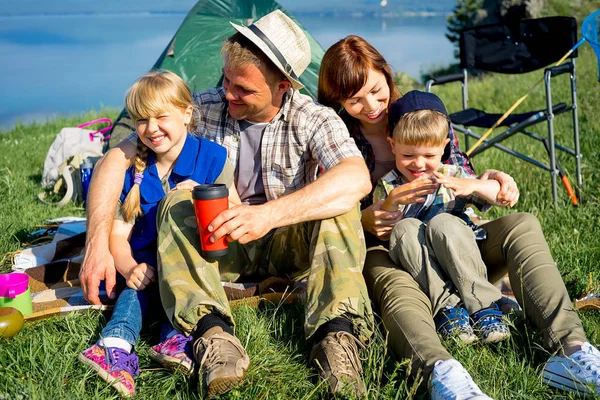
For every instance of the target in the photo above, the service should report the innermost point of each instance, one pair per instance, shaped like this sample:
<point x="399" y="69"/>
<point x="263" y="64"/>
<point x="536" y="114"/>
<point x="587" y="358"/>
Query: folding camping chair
<point x="518" y="48"/>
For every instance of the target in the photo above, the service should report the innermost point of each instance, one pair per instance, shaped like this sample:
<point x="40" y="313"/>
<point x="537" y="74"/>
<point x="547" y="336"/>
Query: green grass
<point x="40" y="362"/>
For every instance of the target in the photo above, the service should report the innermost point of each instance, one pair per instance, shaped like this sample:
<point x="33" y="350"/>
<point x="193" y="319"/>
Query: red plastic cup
<point x="210" y="201"/>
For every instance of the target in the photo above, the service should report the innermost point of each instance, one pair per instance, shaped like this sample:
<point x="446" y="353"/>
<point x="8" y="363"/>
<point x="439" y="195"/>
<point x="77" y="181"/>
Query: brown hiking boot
<point x="223" y="361"/>
<point x="336" y="359"/>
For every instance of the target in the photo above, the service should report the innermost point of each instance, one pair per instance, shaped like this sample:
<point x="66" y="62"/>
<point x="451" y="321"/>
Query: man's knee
<point x="176" y="201"/>
<point x="350" y="218"/>
<point x="176" y="197"/>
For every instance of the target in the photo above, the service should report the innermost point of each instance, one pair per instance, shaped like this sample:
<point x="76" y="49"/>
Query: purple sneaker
<point x="114" y="365"/>
<point x="174" y="353"/>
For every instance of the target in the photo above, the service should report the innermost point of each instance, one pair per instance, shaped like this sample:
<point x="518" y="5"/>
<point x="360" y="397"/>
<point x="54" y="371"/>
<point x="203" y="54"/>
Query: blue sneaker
<point x="454" y="321"/>
<point x="489" y="325"/>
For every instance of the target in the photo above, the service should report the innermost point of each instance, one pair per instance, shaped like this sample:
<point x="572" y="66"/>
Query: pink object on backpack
<point x="103" y="131"/>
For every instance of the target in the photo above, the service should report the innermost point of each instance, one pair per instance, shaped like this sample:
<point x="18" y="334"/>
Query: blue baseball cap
<point x="413" y="101"/>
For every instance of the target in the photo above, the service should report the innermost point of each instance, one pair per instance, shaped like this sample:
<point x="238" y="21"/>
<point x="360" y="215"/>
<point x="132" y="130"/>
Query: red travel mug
<point x="210" y="201"/>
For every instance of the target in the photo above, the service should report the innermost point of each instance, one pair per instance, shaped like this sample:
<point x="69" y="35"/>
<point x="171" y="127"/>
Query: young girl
<point x="168" y="158"/>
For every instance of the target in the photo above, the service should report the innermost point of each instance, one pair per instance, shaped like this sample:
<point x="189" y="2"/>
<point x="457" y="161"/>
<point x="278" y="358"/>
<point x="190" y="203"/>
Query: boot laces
<point x="216" y="352"/>
<point x="345" y="356"/>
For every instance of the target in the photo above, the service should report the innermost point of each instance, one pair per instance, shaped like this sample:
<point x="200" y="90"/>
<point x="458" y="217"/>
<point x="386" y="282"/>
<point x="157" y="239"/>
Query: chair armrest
<point x="440" y="80"/>
<point x="561" y="69"/>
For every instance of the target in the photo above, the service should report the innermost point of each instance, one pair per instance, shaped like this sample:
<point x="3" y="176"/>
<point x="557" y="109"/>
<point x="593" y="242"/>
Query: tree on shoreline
<point x="466" y="14"/>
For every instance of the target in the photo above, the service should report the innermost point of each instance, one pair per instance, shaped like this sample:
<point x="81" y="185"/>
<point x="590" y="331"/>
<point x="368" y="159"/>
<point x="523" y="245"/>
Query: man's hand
<point x="409" y="193"/>
<point x="97" y="265"/>
<point x="460" y="186"/>
<point x="509" y="193"/>
<point x="140" y="276"/>
<point x="379" y="222"/>
<point x="242" y="223"/>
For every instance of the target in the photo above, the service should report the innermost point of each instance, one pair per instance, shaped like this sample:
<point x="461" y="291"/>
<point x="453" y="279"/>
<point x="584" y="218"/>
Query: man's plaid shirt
<point x="302" y="138"/>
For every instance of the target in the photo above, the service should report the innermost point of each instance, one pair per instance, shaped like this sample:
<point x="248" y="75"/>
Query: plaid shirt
<point x="302" y="138"/>
<point x="442" y="201"/>
<point x="452" y="154"/>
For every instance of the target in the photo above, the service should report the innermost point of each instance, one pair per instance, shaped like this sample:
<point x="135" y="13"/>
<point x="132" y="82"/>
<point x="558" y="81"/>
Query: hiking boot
<point x="222" y="359"/>
<point x="174" y="353"/>
<point x="114" y="365"/>
<point x="336" y="359"/>
<point x="579" y="373"/>
<point x="489" y="325"/>
<point x="449" y="380"/>
<point x="454" y="321"/>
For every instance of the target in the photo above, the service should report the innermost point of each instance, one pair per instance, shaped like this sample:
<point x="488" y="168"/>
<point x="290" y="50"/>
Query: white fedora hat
<point x="282" y="41"/>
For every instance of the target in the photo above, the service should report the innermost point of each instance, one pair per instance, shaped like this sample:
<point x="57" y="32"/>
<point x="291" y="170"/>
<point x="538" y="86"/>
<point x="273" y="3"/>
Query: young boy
<point x="435" y="241"/>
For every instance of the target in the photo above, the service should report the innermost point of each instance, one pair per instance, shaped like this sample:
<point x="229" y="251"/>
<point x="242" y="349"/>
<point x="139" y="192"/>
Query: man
<point x="292" y="222"/>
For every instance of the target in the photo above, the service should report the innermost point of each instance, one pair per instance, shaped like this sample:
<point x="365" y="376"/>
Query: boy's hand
<point x="185" y="185"/>
<point x="140" y="276"/>
<point x="460" y="186"/>
<point x="412" y="192"/>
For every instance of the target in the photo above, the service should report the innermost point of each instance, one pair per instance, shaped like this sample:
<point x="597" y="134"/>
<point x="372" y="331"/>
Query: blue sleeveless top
<point x="200" y="160"/>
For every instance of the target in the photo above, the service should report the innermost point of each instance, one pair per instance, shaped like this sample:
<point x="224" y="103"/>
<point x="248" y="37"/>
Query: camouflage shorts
<point x="329" y="253"/>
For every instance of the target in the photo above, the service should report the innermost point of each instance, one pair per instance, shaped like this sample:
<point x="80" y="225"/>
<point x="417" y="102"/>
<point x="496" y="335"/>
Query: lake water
<point x="64" y="64"/>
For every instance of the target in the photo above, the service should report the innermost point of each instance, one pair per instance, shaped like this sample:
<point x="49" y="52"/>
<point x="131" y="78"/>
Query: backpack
<point x="61" y="166"/>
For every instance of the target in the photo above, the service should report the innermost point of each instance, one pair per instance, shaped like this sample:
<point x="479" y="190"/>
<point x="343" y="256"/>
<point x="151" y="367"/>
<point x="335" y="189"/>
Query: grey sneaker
<point x="336" y="359"/>
<point x="223" y="361"/>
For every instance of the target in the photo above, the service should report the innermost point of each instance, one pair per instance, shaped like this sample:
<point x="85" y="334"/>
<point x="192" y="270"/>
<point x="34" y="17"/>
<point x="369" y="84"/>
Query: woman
<point x="356" y="80"/>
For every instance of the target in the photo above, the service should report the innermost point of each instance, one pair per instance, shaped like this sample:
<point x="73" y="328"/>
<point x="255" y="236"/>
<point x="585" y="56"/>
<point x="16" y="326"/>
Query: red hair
<point x="345" y="69"/>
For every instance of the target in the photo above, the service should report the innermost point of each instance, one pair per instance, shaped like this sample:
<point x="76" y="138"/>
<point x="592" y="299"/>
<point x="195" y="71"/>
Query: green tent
<point x="194" y="51"/>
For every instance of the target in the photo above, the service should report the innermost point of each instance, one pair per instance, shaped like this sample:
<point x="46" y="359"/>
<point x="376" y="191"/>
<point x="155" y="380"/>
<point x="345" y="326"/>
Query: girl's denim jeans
<point x="132" y="305"/>
<point x="126" y="320"/>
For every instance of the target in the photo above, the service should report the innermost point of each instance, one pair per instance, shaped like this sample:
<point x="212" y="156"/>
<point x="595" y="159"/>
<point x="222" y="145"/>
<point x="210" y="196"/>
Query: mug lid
<point x="210" y="191"/>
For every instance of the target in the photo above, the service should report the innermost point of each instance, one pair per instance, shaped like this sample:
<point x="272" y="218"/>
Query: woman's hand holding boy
<point x="379" y="222"/>
<point x="509" y="192"/>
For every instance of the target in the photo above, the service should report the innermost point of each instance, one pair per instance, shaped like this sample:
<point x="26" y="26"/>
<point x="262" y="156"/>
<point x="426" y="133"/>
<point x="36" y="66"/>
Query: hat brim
<point x="296" y="84"/>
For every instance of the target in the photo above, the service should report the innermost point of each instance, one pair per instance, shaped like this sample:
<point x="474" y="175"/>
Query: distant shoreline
<point x="320" y="14"/>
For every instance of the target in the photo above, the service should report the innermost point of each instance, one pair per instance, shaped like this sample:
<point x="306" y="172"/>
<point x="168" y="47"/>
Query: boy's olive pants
<point x="444" y="258"/>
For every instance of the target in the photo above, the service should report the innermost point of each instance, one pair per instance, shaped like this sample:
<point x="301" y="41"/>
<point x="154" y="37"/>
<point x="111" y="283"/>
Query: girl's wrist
<point x="125" y="270"/>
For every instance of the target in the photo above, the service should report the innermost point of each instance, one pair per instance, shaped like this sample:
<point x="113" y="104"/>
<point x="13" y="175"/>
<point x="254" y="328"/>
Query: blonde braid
<point x="131" y="206"/>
